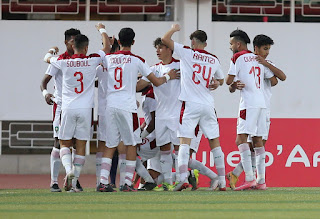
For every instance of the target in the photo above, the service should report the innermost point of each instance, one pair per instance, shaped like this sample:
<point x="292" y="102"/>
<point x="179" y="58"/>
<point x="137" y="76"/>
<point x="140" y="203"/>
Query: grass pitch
<point x="273" y="203"/>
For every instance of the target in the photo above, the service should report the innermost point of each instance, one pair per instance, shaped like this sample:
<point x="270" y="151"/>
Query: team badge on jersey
<point x="56" y="129"/>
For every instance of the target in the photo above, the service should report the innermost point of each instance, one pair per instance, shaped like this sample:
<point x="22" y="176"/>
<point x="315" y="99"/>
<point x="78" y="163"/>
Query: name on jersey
<point x="82" y="63"/>
<point x="203" y="58"/>
<point x="120" y="60"/>
<point x="250" y="59"/>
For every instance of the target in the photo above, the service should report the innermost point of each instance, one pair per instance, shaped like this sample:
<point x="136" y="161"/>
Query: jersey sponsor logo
<point x="82" y="63"/>
<point x="203" y="58"/>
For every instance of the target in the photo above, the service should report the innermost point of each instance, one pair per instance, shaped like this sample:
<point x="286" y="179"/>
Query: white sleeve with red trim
<point x="144" y="69"/>
<point x="55" y="62"/>
<point x="232" y="69"/>
<point x="178" y="49"/>
<point x="51" y="70"/>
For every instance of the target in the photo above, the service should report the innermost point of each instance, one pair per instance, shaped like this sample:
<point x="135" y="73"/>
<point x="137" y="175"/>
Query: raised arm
<point x="166" y="39"/>
<point x="53" y="51"/>
<point x="276" y="71"/>
<point x="105" y="38"/>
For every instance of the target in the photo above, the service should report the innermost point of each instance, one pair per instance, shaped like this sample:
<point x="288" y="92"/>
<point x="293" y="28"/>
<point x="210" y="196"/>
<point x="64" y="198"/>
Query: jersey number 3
<point x="118" y="78"/>
<point x="81" y="82"/>
<point x="198" y="69"/>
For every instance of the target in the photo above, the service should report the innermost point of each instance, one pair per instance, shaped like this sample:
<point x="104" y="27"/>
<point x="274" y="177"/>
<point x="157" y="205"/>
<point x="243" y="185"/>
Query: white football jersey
<point x="198" y="68"/>
<point x="102" y="89"/>
<point x="57" y="78"/>
<point x="149" y="104"/>
<point x="245" y="68"/>
<point x="78" y="79"/>
<point x="267" y="90"/>
<point x="167" y="94"/>
<point x="123" y="68"/>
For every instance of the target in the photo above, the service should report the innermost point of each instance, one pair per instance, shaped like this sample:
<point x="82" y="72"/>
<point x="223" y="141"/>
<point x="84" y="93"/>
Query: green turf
<point x="273" y="203"/>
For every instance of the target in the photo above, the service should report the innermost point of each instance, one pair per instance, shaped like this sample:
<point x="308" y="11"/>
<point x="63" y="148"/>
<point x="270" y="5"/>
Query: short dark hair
<point x="158" y="42"/>
<point x="81" y="41"/>
<point x="115" y="46"/>
<point x="199" y="35"/>
<point x="240" y="35"/>
<point x="126" y="36"/>
<point x="71" y="32"/>
<point x="262" y="40"/>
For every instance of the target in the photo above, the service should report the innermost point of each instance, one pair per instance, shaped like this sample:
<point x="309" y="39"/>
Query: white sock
<point x="176" y="166"/>
<point x="261" y="164"/>
<point x="55" y="164"/>
<point x="65" y="156"/>
<point x="245" y="155"/>
<point x="130" y="168"/>
<point x="254" y="163"/>
<point x="122" y="168"/>
<point x="166" y="165"/>
<point x="78" y="163"/>
<point x="238" y="170"/>
<point x="143" y="172"/>
<point x="105" y="170"/>
<point x="98" y="166"/>
<point x="183" y="160"/>
<point x="73" y="152"/>
<point x="195" y="164"/>
<point x="218" y="157"/>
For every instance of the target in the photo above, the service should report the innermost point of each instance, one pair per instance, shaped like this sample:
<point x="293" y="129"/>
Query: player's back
<point x="251" y="73"/>
<point x="123" y="68"/>
<point x="198" y="68"/>
<point x="78" y="80"/>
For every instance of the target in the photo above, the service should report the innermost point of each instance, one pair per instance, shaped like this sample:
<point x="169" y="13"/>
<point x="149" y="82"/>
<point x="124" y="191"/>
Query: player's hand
<point x="261" y="60"/>
<point x="239" y="85"/>
<point x="54" y="50"/>
<point x="175" y="27"/>
<point x="214" y="84"/>
<point x="49" y="98"/>
<point x="100" y="26"/>
<point x="174" y="74"/>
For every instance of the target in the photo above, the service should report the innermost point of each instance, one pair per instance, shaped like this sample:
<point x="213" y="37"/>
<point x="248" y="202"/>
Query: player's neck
<point x="82" y="51"/>
<point x="243" y="48"/>
<point x="70" y="52"/>
<point x="166" y="60"/>
<point x="125" y="48"/>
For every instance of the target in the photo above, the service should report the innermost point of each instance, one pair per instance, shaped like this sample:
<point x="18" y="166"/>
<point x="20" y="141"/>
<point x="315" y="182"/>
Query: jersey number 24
<point x="197" y="70"/>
